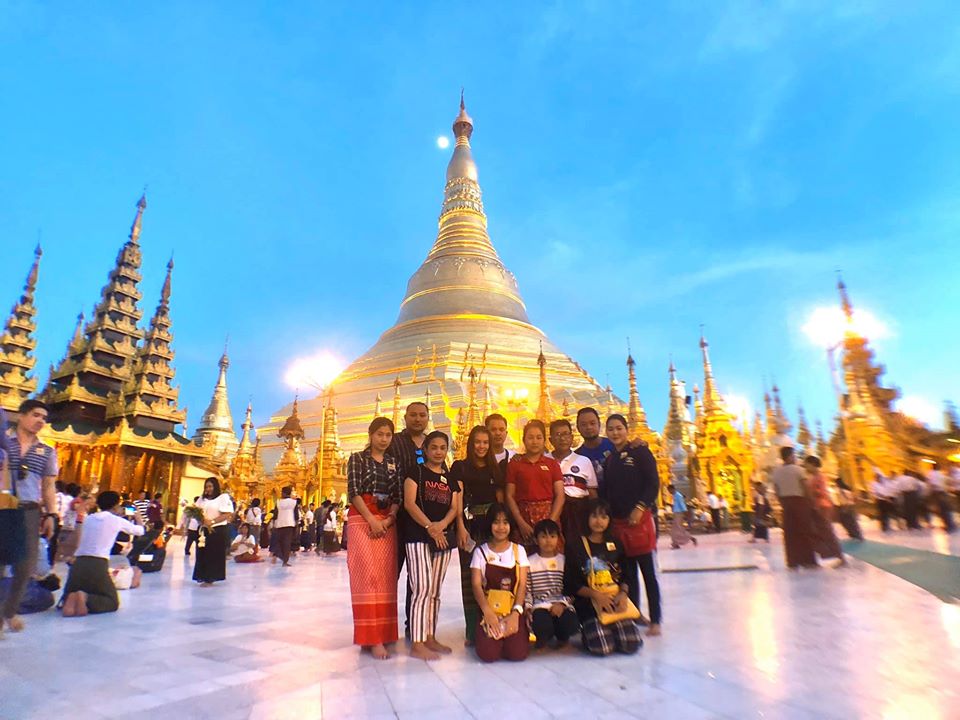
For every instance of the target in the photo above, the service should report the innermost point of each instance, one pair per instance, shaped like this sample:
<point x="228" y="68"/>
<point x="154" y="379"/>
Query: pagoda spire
<point x="544" y="406"/>
<point x="472" y="409"/>
<point x="330" y="447"/>
<point x="636" y="415"/>
<point x="148" y="391"/>
<point x="18" y="344"/>
<point x="378" y="406"/>
<point x="428" y="401"/>
<point x="216" y="423"/>
<point x="82" y="384"/>
<point x="246" y="447"/>
<point x="804" y="436"/>
<point x="138" y="219"/>
<point x="462" y="272"/>
<point x="845" y="303"/>
<point x="711" y="397"/>
<point x="396" y="403"/>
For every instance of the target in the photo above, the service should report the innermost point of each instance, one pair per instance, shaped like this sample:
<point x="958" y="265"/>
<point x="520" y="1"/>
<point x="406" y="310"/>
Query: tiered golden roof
<point x="100" y="363"/>
<point x="18" y="344"/>
<point x="148" y="398"/>
<point x="461" y="298"/>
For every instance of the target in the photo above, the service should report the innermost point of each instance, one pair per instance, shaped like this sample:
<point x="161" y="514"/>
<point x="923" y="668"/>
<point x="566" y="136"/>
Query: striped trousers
<point x="426" y="568"/>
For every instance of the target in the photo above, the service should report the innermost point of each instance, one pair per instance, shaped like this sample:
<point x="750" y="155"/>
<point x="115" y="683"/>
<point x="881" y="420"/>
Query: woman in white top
<point x="285" y="524"/>
<point x="254" y="518"/>
<point x="244" y="547"/>
<point x="211" y="565"/>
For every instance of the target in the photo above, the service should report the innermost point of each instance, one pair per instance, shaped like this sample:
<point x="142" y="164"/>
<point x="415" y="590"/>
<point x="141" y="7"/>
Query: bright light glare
<point x="827" y="325"/>
<point x="443" y="142"/>
<point x="921" y="409"/>
<point x="316" y="371"/>
<point x="739" y="406"/>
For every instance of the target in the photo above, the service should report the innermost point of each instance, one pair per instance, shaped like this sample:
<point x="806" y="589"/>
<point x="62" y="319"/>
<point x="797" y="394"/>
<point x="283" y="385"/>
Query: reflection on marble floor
<point x="274" y="643"/>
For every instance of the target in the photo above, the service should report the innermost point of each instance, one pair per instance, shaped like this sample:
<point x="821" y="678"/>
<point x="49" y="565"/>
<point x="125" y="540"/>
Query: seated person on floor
<point x="89" y="587"/>
<point x="244" y="547"/>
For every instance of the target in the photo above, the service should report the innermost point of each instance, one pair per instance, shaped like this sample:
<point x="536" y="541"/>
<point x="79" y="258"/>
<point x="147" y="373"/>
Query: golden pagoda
<point x="246" y="478"/>
<point x="461" y="299"/>
<point x="113" y="407"/>
<point x="291" y="468"/>
<point x="216" y="424"/>
<point x="724" y="457"/>
<point x="328" y="472"/>
<point x="678" y="448"/>
<point x="18" y="344"/>
<point x="871" y="434"/>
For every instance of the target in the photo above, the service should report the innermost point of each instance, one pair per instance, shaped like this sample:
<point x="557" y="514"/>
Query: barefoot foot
<point x="654" y="630"/>
<point x="438" y="646"/>
<point x="421" y="651"/>
<point x="379" y="652"/>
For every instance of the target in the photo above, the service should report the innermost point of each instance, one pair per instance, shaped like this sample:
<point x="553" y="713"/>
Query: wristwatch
<point x="519" y="609"/>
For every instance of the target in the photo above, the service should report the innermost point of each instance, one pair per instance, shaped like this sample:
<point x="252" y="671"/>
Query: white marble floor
<point x="273" y="643"/>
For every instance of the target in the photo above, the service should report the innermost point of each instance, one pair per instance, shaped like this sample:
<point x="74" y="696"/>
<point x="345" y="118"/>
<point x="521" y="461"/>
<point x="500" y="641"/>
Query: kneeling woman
<point x="431" y="500"/>
<point x="244" y="547"/>
<point x="373" y="486"/>
<point x="593" y="575"/>
<point x="499" y="576"/>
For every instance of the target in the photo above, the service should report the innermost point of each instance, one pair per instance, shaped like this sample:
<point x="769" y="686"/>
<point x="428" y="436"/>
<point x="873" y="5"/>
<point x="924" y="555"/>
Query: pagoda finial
<point x="378" y="406"/>
<point x="138" y="218"/>
<point x="844" y="297"/>
<point x="544" y="406"/>
<point x="636" y="415"/>
<point x="217" y="420"/>
<point x="245" y="446"/>
<point x="711" y="397"/>
<point x="396" y="402"/>
<point x="463" y="125"/>
<point x="165" y="291"/>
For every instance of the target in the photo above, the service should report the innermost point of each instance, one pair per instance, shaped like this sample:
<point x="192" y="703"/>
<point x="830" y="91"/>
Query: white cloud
<point x="921" y="409"/>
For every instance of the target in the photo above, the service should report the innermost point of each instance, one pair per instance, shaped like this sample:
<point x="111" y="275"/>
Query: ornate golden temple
<point x="462" y="344"/>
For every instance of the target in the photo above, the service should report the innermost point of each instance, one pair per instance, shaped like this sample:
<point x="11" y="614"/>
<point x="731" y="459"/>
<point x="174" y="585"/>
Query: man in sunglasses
<point x="33" y="470"/>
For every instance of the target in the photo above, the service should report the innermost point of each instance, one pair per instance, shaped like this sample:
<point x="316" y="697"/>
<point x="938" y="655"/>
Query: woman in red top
<point x="534" y="484"/>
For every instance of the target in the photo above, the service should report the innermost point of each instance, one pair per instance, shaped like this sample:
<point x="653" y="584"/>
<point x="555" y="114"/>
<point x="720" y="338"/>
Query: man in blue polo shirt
<point x="33" y="470"/>
<point x="594" y="445"/>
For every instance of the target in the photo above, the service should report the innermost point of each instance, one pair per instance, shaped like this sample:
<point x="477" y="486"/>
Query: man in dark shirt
<point x="155" y="510"/>
<point x="407" y="449"/>
<point x="594" y="445"/>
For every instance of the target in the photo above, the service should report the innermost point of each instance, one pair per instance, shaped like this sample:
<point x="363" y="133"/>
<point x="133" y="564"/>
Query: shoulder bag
<point x="639" y="539"/>
<point x="502" y="601"/>
<point x="603" y="582"/>
<point x="13" y="526"/>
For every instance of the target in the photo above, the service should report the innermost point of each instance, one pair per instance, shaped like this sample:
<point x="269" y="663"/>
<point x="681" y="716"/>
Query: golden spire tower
<point x="148" y="399"/>
<point x="724" y="457"/>
<point x="636" y="415"/>
<point x="804" y="436"/>
<point x="18" y="344"/>
<point x="80" y="384"/>
<point x="396" y="404"/>
<point x="216" y="423"/>
<point x="291" y="468"/>
<point x="461" y="291"/>
<point x="246" y="472"/>
<point x="544" y="406"/>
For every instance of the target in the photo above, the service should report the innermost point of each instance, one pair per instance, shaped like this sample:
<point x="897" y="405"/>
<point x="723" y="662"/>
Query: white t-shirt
<point x="579" y="476"/>
<point x="214" y="506"/>
<point x="545" y="584"/>
<point x="330" y="525"/>
<point x="309" y="517"/>
<point x="483" y="555"/>
<point x="506" y="453"/>
<point x="100" y="533"/>
<point x="243" y="545"/>
<point x="906" y="483"/>
<point x="285" y="507"/>
<point x="254" y="516"/>
<point x="713" y="501"/>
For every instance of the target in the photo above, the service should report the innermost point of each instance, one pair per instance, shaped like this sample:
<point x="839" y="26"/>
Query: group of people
<point x="553" y="543"/>
<point x="911" y="499"/>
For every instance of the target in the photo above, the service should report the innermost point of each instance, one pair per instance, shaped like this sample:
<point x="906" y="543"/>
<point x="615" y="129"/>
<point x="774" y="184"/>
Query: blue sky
<point x="646" y="168"/>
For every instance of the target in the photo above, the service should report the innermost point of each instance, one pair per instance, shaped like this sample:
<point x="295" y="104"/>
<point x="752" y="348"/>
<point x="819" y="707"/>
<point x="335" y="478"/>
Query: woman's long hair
<point x="489" y="462"/>
<point x="216" y="487"/>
